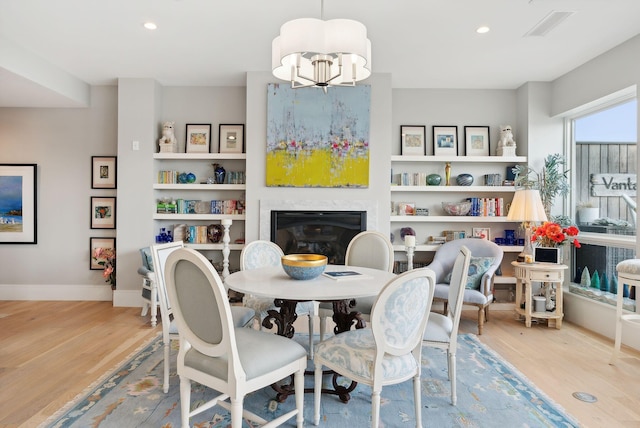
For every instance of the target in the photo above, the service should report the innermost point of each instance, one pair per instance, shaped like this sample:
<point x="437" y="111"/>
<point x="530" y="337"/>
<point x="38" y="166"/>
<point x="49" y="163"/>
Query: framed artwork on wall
<point x="231" y="138"/>
<point x="103" y="212"/>
<point x="95" y="243"/>
<point x="103" y="172"/>
<point x="198" y="139"/>
<point x="476" y="140"/>
<point x="412" y="140"/>
<point x="18" y="214"/>
<point x="445" y="140"/>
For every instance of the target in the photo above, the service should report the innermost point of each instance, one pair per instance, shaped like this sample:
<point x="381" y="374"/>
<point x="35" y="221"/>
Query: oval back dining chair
<point x="231" y="360"/>
<point x="369" y="249"/>
<point x="390" y="351"/>
<point x="442" y="330"/>
<point x="241" y="315"/>
<point x="260" y="253"/>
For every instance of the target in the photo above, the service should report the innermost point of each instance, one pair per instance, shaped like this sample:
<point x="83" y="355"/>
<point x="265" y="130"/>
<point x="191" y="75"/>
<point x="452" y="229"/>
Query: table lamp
<point x="527" y="207"/>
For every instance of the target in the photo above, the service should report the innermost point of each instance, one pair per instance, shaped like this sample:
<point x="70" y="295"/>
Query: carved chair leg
<point x="444" y="311"/>
<point x="480" y="320"/>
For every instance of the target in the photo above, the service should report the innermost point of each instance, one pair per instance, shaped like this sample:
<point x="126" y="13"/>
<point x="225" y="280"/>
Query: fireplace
<point x="317" y="232"/>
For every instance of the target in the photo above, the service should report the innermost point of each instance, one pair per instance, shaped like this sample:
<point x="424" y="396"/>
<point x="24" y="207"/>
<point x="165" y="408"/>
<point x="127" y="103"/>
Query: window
<point x="604" y="148"/>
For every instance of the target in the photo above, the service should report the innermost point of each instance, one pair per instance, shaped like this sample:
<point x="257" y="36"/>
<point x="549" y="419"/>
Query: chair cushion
<point x="353" y="351"/>
<point x="259" y="352"/>
<point x="439" y="328"/>
<point x="470" y="296"/>
<point x="477" y="267"/>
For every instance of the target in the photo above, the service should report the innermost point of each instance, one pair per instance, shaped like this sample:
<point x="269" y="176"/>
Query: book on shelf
<point x="345" y="274"/>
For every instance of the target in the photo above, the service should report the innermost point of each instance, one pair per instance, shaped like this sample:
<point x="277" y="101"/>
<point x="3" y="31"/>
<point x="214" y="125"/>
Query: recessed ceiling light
<point x="150" y="25"/>
<point x="483" y="29"/>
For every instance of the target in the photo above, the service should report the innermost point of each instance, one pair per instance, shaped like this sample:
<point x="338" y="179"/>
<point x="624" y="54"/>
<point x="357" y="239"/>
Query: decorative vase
<point x="447" y="174"/>
<point x="464" y="180"/>
<point x="219" y="172"/>
<point x="434" y="180"/>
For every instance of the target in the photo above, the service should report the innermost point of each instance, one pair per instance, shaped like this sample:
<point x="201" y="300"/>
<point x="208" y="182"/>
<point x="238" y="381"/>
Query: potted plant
<point x="551" y="181"/>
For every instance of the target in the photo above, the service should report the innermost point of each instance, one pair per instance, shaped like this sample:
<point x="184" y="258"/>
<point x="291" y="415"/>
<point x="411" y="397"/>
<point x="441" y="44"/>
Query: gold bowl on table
<point x="304" y="266"/>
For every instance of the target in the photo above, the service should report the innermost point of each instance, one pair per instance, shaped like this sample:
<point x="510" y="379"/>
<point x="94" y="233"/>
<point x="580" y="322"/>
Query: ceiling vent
<point x="548" y="23"/>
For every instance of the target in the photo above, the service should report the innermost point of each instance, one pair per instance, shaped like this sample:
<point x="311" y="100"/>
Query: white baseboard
<point x="120" y="298"/>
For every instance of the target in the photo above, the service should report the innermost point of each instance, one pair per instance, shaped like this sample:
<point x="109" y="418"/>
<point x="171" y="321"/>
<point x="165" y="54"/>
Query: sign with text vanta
<point x="613" y="184"/>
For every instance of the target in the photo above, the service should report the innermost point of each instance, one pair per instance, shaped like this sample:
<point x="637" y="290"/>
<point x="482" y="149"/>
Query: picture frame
<point x="97" y="242"/>
<point x="18" y="203"/>
<point x="445" y="140"/>
<point x="198" y="138"/>
<point x="412" y="140"/>
<point x="231" y="138"/>
<point x="482" y="233"/>
<point x="104" y="172"/>
<point x="103" y="212"/>
<point x="476" y="140"/>
<point x="406" y="208"/>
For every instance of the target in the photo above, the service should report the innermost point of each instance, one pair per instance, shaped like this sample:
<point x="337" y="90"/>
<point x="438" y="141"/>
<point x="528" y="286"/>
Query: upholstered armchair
<point x="486" y="258"/>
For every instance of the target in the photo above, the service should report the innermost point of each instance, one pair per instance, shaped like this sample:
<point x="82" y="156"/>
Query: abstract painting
<point x="318" y="139"/>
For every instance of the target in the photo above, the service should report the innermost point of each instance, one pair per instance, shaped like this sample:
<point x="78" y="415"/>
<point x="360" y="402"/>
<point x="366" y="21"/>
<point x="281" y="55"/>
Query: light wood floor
<point x="51" y="351"/>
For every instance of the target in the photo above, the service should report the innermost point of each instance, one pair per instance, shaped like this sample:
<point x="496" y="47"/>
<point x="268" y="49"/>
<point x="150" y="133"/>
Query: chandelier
<point x="314" y="52"/>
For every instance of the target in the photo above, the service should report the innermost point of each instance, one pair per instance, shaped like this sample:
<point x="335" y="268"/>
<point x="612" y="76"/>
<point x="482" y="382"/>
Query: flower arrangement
<point x="551" y="234"/>
<point x="106" y="257"/>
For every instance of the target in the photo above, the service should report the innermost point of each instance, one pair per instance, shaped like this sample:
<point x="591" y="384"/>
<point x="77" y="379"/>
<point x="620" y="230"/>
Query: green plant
<point x="551" y="181"/>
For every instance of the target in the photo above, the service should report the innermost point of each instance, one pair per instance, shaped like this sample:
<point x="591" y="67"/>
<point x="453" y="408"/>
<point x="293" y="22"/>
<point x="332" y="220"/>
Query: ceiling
<point x="50" y="48"/>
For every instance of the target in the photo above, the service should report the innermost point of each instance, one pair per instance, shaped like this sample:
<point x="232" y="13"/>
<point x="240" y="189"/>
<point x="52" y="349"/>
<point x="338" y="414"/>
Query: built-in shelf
<point x="200" y="156"/>
<point x="460" y="159"/>
<point x="159" y="186"/>
<point x="448" y="219"/>
<point x="434" y="247"/>
<point x="465" y="189"/>
<point x="194" y="217"/>
<point x="233" y="247"/>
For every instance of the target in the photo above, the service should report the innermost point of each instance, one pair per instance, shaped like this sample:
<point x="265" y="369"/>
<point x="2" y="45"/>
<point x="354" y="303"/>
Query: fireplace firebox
<point x="317" y="232"/>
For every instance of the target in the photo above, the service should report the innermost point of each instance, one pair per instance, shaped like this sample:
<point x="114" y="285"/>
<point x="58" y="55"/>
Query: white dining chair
<point x="369" y="249"/>
<point x="231" y="360"/>
<point x="442" y="330"/>
<point x="390" y="351"/>
<point x="241" y="316"/>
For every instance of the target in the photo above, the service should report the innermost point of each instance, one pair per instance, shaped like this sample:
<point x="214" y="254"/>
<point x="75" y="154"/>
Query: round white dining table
<point x="274" y="283"/>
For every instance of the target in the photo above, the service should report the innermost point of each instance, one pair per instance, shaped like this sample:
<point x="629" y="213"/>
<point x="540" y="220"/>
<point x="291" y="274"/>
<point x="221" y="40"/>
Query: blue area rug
<point x="491" y="393"/>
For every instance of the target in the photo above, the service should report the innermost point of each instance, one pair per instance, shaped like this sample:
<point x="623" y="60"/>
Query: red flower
<point x="552" y="235"/>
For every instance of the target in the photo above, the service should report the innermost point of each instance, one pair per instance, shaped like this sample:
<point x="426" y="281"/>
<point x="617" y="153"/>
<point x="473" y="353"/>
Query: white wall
<point x="61" y="142"/>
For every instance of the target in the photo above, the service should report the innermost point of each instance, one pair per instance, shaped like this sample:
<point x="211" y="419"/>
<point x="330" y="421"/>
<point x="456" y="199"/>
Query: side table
<point x="551" y="274"/>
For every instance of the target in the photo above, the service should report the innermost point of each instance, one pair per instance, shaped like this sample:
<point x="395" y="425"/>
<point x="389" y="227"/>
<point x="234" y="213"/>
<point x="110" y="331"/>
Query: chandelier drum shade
<point x="313" y="52"/>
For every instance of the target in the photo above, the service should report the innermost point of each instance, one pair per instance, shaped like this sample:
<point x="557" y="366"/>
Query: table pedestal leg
<point x="284" y="318"/>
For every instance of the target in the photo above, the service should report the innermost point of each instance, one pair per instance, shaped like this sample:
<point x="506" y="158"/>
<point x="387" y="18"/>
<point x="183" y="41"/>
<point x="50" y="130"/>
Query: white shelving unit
<point x="201" y="164"/>
<point x="430" y="197"/>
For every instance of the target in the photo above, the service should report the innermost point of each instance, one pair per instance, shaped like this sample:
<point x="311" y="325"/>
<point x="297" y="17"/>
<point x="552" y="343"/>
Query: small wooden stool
<point x="629" y="274"/>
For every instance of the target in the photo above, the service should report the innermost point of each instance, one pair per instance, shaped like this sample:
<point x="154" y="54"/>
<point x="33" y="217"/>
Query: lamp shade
<point x="527" y="206"/>
<point x="311" y="51"/>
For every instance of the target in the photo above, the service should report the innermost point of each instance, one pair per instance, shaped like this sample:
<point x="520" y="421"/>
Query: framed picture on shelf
<point x="198" y="139"/>
<point x="412" y="140"/>
<point x="482" y="233"/>
<point x="445" y="141"/>
<point x="406" y="208"/>
<point x="18" y="190"/>
<point x="94" y="243"/>
<point x="103" y="172"/>
<point x="476" y="140"/>
<point x="103" y="212"/>
<point x="231" y="138"/>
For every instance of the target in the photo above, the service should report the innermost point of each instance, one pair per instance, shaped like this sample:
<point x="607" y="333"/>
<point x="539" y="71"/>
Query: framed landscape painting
<point x="412" y="140"/>
<point x="476" y="140"/>
<point x="18" y="214"/>
<point x="445" y="140"/>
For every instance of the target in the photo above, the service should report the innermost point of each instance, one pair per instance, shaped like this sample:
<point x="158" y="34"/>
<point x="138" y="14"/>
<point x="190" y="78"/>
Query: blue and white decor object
<point x="304" y="266"/>
<point x="464" y="180"/>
